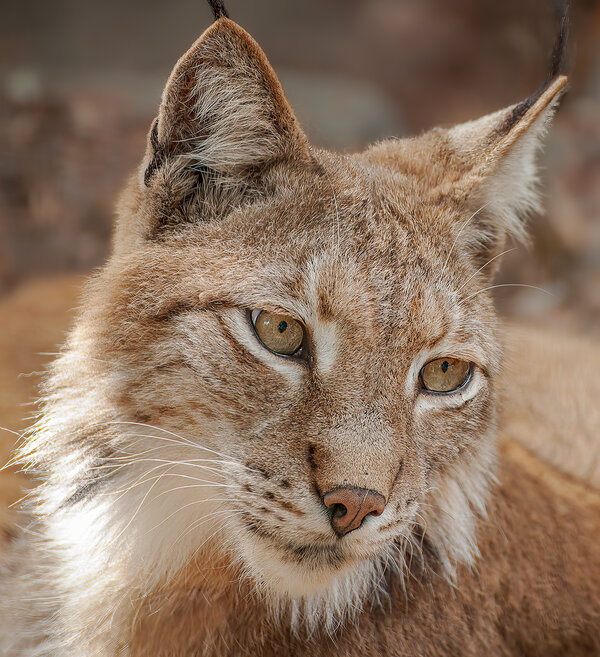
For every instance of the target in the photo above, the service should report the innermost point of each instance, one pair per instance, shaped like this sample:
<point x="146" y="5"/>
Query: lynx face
<point x="291" y="355"/>
<point x="365" y="284"/>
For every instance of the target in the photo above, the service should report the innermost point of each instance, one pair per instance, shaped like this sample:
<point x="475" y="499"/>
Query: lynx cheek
<point x="281" y="334"/>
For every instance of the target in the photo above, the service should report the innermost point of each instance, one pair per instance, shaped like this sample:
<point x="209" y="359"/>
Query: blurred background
<point x="80" y="83"/>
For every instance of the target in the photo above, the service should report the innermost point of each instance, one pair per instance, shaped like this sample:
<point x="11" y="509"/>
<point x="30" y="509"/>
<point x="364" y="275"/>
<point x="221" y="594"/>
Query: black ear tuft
<point x="557" y="60"/>
<point x="218" y="8"/>
<point x="557" y="64"/>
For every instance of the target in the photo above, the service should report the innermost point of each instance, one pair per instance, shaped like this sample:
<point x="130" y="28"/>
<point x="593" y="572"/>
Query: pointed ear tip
<point x="559" y="82"/>
<point x="225" y="24"/>
<point x="549" y="97"/>
<point x="222" y="26"/>
<point x="554" y="91"/>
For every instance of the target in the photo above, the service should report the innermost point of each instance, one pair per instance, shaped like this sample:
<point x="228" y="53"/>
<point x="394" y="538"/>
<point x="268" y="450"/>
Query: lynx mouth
<point x="322" y="551"/>
<point x="309" y="554"/>
<point x="298" y="569"/>
<point x="315" y="554"/>
<point x="295" y="570"/>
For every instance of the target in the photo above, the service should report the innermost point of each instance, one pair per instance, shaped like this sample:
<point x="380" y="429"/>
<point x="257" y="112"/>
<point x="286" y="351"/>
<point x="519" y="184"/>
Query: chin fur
<point x="319" y="599"/>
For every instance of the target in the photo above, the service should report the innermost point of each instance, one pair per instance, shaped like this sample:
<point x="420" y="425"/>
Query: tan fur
<point x="181" y="465"/>
<point x="563" y="431"/>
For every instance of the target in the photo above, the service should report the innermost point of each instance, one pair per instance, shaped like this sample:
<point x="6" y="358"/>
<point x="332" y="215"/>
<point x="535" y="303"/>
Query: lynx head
<point x="291" y="355"/>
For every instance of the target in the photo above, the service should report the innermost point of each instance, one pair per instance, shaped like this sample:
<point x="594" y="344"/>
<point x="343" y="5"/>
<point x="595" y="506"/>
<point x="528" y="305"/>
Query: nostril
<point x="338" y="511"/>
<point x="376" y="512"/>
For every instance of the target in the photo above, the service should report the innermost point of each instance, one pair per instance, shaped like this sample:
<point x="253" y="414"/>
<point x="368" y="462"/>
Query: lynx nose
<point x="349" y="506"/>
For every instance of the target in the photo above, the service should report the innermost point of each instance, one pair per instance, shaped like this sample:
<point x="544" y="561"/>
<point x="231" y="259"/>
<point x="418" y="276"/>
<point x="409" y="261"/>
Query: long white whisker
<point x="151" y="426"/>
<point x="136" y="511"/>
<point x="180" y="439"/>
<point x="16" y="433"/>
<point x="134" y="461"/>
<point x="200" y="522"/>
<point x="457" y="236"/>
<point x="201" y="485"/>
<point x="145" y="479"/>
<point x="185" y="506"/>
<point x="493" y="287"/>
<point x="483" y="267"/>
<point x="220" y="523"/>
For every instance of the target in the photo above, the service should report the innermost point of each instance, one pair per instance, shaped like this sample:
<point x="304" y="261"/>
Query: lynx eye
<point x="445" y="374"/>
<point x="281" y="334"/>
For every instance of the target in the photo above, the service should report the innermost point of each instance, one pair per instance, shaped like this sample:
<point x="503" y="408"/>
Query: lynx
<point x="280" y="425"/>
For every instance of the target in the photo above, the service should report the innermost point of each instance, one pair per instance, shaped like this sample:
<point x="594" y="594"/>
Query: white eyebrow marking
<point x="325" y="344"/>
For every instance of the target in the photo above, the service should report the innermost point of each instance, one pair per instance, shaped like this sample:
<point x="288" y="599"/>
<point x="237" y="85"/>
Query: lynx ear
<point x="483" y="171"/>
<point x="493" y="172"/>
<point x="223" y="113"/>
<point x="495" y="160"/>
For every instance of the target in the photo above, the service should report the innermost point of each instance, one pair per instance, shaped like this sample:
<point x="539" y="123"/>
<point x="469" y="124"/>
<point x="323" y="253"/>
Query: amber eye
<point x="445" y="374"/>
<point x="279" y="333"/>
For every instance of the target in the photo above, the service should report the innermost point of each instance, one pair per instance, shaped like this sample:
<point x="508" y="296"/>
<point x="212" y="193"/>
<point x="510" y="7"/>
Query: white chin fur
<point x="314" y="597"/>
<point x="289" y="578"/>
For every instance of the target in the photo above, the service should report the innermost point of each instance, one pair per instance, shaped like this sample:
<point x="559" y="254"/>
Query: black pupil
<point x="445" y="365"/>
<point x="282" y="326"/>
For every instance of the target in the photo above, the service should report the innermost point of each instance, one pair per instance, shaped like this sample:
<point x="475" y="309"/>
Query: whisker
<point x="211" y="536"/>
<point x="180" y="439"/>
<point x="200" y="521"/>
<point x="456" y="239"/>
<point x="135" y="513"/>
<point x="16" y="433"/>
<point x="135" y="461"/>
<point x="172" y="441"/>
<point x="484" y="266"/>
<point x="204" y="518"/>
<point x="145" y="479"/>
<point x="203" y="483"/>
<point x="492" y="287"/>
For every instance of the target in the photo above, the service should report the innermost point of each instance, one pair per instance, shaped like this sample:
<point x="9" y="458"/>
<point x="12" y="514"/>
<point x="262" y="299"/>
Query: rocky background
<point x="80" y="83"/>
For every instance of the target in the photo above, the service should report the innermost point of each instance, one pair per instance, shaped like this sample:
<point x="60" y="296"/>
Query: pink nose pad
<point x="349" y="506"/>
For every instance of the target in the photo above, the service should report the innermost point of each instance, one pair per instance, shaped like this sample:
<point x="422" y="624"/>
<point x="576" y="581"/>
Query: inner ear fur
<point x="502" y="187"/>
<point x="223" y="114"/>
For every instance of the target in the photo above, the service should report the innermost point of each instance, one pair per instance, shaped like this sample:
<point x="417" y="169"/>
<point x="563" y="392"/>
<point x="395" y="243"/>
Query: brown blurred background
<point x="80" y="83"/>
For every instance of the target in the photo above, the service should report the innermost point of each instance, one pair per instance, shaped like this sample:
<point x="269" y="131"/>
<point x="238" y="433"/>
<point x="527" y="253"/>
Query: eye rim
<point x="446" y="393"/>
<point x="301" y="354"/>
